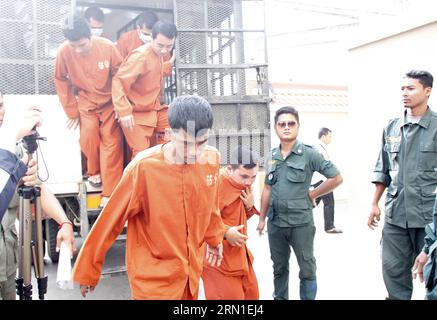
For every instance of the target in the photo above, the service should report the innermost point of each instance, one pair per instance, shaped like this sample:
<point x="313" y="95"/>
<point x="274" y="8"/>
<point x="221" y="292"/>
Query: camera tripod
<point x="28" y="250"/>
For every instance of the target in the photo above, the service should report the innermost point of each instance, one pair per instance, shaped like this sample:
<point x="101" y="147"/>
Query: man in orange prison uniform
<point x="84" y="66"/>
<point x="133" y="39"/>
<point x="127" y="43"/>
<point x="136" y="88"/>
<point x="168" y="195"/>
<point x="235" y="278"/>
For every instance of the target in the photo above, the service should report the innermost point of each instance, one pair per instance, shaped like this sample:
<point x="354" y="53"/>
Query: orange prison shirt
<point x="137" y="85"/>
<point x="237" y="261"/>
<point x="171" y="210"/>
<point x="128" y="42"/>
<point x="90" y="75"/>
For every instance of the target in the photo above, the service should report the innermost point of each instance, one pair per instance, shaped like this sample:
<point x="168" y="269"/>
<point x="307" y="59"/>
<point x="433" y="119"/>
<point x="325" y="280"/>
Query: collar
<point x="423" y="122"/>
<point x="231" y="181"/>
<point x="297" y="149"/>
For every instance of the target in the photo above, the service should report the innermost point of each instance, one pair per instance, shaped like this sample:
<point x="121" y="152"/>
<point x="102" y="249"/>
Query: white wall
<point x="60" y="154"/>
<point x="376" y="71"/>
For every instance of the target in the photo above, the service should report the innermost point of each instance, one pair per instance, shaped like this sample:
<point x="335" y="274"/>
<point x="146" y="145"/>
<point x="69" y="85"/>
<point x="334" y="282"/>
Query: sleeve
<point x="167" y="67"/>
<point x="270" y="177"/>
<point x="121" y="206"/>
<point x="216" y="229"/>
<point x="127" y="74"/>
<point x="381" y="171"/>
<point x="430" y="237"/>
<point x="64" y="88"/>
<point x="116" y="60"/>
<point x="251" y="212"/>
<point x="430" y="234"/>
<point x="11" y="171"/>
<point x="325" y="167"/>
<point x="121" y="46"/>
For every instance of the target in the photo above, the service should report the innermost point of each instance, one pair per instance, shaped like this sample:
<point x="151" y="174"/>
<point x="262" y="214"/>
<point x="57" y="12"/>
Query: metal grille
<point x="222" y="57"/>
<point x="30" y="34"/>
<point x="192" y="82"/>
<point x="17" y="10"/>
<point x="220" y="82"/>
<point x="220" y="13"/>
<point x="191" y="14"/>
<point x="221" y="47"/>
<point x="226" y="141"/>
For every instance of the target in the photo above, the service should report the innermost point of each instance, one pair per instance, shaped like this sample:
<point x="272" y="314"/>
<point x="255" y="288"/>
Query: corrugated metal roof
<point x="311" y="97"/>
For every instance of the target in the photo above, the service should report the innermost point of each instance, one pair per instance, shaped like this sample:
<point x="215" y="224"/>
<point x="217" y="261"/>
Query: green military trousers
<point x="400" y="247"/>
<point x="301" y="239"/>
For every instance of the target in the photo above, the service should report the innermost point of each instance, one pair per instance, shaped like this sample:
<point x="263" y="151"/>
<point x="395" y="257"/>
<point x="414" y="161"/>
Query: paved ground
<point x="349" y="265"/>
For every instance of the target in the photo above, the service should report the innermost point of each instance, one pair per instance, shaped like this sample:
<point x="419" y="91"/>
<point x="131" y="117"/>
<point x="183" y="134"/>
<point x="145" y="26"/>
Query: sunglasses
<point x="283" y="124"/>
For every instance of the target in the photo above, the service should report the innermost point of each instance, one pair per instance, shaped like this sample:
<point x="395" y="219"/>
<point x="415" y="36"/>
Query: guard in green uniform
<point x="289" y="202"/>
<point x="407" y="167"/>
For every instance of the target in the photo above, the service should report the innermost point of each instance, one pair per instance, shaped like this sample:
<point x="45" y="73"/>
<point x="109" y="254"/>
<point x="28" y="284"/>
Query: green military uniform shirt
<point x="407" y="166"/>
<point x="290" y="179"/>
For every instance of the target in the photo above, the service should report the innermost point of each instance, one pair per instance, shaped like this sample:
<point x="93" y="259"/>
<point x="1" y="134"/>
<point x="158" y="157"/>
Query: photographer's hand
<point x="30" y="178"/>
<point x="32" y="119"/>
<point x="13" y="130"/>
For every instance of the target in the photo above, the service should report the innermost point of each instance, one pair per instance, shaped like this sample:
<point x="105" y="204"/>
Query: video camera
<point x="30" y="142"/>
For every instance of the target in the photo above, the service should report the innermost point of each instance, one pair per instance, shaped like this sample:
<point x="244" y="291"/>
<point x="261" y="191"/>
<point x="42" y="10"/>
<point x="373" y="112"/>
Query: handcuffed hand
<point x="234" y="237"/>
<point x="214" y="255"/>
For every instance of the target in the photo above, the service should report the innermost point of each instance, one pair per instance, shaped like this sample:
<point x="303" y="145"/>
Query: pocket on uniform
<point x="393" y="153"/>
<point x="392" y="190"/>
<point x="428" y="156"/>
<point x="428" y="200"/>
<point x="296" y="173"/>
<point x="298" y="204"/>
<point x="389" y="200"/>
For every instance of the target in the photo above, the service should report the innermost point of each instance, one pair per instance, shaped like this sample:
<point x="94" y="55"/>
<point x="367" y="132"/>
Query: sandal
<point x="103" y="202"/>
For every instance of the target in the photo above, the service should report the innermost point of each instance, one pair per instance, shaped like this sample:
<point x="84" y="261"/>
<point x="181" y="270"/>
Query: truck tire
<point x="51" y="232"/>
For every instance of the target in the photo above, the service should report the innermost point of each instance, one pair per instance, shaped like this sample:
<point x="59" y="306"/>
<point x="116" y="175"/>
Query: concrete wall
<point x="376" y="71"/>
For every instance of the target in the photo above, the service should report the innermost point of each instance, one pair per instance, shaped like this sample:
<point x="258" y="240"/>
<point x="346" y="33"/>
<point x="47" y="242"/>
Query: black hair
<point x="424" y="77"/>
<point x="94" y="12"/>
<point x="190" y="112"/>
<point x="165" y="28"/>
<point x="147" y="18"/>
<point x="75" y="27"/>
<point x="243" y="156"/>
<point x="324" y="132"/>
<point x="284" y="110"/>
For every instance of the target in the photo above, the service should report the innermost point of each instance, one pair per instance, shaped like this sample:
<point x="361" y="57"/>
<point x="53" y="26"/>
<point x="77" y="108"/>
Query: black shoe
<point x="334" y="230"/>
